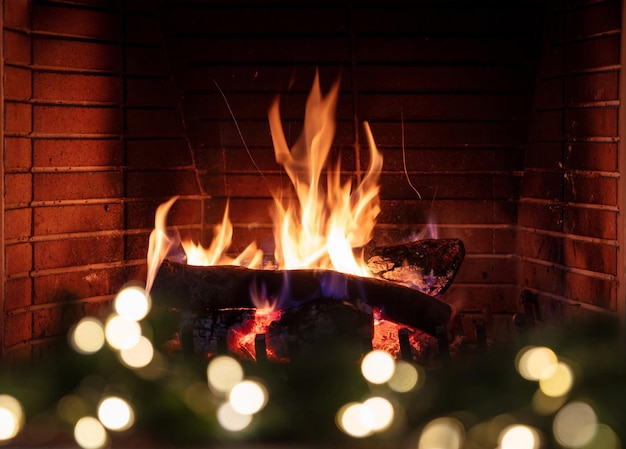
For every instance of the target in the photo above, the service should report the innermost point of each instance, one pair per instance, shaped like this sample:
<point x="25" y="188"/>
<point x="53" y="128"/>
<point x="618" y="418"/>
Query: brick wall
<point x="91" y="124"/>
<point x="569" y="211"/>
<point x="112" y="107"/>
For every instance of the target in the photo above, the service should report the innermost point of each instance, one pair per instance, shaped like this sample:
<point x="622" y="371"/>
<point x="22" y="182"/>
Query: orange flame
<point x="325" y="227"/>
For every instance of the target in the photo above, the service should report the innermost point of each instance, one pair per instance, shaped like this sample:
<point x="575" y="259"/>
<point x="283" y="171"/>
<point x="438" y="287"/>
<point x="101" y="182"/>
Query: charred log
<point x="428" y="265"/>
<point x="200" y="288"/>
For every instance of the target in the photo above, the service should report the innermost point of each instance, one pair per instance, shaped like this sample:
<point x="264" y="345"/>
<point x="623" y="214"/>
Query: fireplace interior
<point x="499" y="123"/>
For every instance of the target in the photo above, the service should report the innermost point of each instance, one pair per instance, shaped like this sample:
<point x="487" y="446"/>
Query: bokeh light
<point x="230" y="419"/>
<point x="378" y="366"/>
<point x="138" y="356"/>
<point x="89" y="433"/>
<point x="71" y="408"/>
<point x="121" y="333"/>
<point x="382" y="411"/>
<point x="132" y="303"/>
<point x="575" y="425"/>
<point x="355" y="420"/>
<point x="405" y="377"/>
<point x="546" y="405"/>
<point x="87" y="336"/>
<point x="531" y="361"/>
<point x="248" y="397"/>
<point x="442" y="433"/>
<point x="556" y="380"/>
<point x="116" y="414"/>
<point x="519" y="437"/>
<point x="11" y="417"/>
<point x="223" y="373"/>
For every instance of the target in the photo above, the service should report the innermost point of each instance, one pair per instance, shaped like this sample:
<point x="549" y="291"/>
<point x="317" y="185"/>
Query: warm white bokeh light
<point x="89" y="433"/>
<point x="139" y="355"/>
<point x="248" y="397"/>
<point x="575" y="425"/>
<point x="405" y="377"/>
<point x="116" y="414"/>
<point x="556" y="380"/>
<point x="543" y="404"/>
<point x="519" y="437"/>
<point x="87" y="337"/>
<point x="531" y="361"/>
<point x="442" y="433"/>
<point x="223" y="373"/>
<point x="121" y="333"/>
<point x="355" y="420"/>
<point x="11" y="417"/>
<point x="132" y="303"/>
<point x="382" y="411"/>
<point x="230" y="419"/>
<point x="378" y="366"/>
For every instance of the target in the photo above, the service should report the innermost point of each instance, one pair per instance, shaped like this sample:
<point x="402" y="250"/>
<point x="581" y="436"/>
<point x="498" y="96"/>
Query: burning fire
<point x="325" y="228"/>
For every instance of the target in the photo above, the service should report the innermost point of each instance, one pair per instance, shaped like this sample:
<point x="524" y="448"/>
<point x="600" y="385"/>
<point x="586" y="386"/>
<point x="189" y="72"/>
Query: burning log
<point x="428" y="265"/>
<point x="197" y="289"/>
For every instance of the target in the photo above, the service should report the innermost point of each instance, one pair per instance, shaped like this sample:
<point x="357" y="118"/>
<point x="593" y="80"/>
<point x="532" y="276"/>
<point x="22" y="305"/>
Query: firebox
<point x="498" y="123"/>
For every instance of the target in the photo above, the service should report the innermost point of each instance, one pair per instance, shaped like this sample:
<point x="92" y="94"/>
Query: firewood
<point x="226" y="286"/>
<point x="428" y="265"/>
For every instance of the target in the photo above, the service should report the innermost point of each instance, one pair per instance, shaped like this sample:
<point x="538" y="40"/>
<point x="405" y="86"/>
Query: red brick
<point x="17" y="223"/>
<point x="79" y="284"/>
<point x="541" y="216"/>
<point x="591" y="222"/>
<point x="593" y="190"/>
<point x="18" y="188"/>
<point x="16" y="13"/>
<point x="549" y="93"/>
<point x="588" y="87"/>
<point x="16" y="47"/>
<point x="78" y="218"/>
<point x="150" y="122"/>
<point x="78" y="252"/>
<point x="56" y="321"/>
<point x="541" y="277"/>
<point x="17" y="153"/>
<point x="488" y="270"/>
<point x="146" y="61"/>
<point x="77" y="152"/>
<point x="544" y="247"/>
<point x="64" y="53"/>
<point x="18" y="328"/>
<point x="77" y="120"/>
<point x="590" y="122"/>
<point x="593" y="19"/>
<point x="542" y="185"/>
<point x="590" y="256"/>
<point x="72" y="19"/>
<point x="161" y="184"/>
<point x="157" y="153"/>
<point x="142" y="28"/>
<point x="71" y="87"/>
<point x="592" y="53"/>
<point x="18" y="258"/>
<point x="18" y="294"/>
<point x="17" y="83"/>
<point x="68" y="186"/>
<point x="140" y="214"/>
<point x="591" y="156"/>
<point x="546" y="125"/>
<point x="598" y="292"/>
<point x="18" y="117"/>
<point x="474" y="298"/>
<point x="150" y="92"/>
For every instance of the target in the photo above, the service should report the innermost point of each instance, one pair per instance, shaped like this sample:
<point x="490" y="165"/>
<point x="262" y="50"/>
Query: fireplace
<point x="499" y="125"/>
